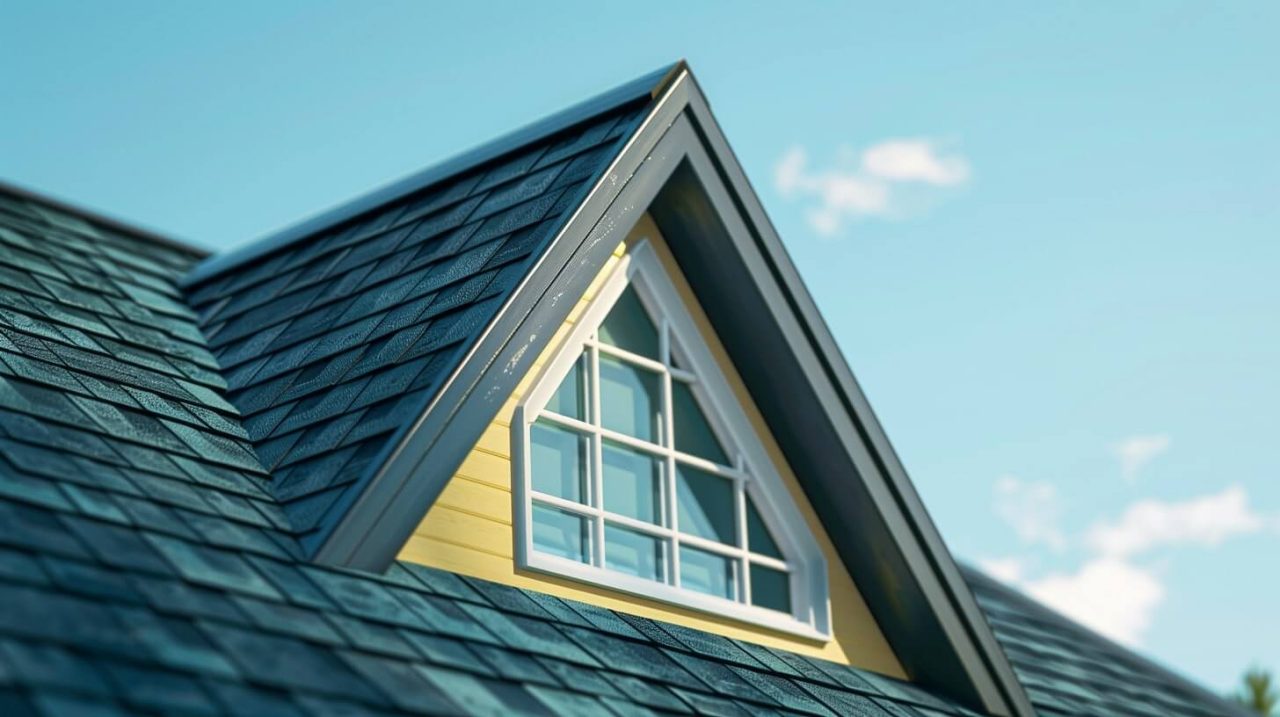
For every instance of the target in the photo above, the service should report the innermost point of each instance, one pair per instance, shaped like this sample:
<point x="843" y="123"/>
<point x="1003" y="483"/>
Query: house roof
<point x="153" y="562"/>
<point x="333" y="337"/>
<point x="1067" y="669"/>
<point x="147" y="566"/>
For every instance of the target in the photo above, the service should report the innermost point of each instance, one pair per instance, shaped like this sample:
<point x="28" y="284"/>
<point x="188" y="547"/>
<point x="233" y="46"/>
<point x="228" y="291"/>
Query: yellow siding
<point x="469" y="529"/>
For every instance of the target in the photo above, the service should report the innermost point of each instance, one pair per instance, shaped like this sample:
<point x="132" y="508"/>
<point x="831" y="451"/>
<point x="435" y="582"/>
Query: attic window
<point x="637" y="469"/>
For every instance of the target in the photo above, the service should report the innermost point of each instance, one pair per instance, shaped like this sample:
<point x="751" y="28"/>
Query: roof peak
<point x="645" y="86"/>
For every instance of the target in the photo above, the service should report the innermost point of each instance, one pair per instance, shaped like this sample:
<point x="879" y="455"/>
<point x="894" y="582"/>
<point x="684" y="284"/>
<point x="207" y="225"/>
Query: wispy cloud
<point x="1114" y="597"/>
<point x="1113" y="591"/>
<point x="1149" y="524"/>
<point x="1006" y="569"/>
<point x="865" y="184"/>
<point x="914" y="160"/>
<point x="1032" y="509"/>
<point x="1135" y="452"/>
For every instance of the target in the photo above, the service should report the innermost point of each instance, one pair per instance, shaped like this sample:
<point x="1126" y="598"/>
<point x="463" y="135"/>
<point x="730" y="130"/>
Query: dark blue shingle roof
<point x="334" y="343"/>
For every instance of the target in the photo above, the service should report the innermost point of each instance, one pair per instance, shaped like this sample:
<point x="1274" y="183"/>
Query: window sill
<point x="713" y="606"/>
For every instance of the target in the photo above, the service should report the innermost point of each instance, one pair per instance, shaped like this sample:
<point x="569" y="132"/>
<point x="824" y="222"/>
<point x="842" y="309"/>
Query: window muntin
<point x="668" y="502"/>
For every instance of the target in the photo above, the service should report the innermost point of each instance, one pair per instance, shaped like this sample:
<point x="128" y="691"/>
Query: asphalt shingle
<point x="152" y="561"/>
<point x="417" y="270"/>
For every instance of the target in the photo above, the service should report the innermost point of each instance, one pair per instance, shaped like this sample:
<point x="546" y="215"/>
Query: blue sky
<point x="1044" y="235"/>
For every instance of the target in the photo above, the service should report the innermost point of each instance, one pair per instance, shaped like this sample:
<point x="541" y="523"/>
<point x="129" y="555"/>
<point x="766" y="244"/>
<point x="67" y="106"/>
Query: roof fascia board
<point x="922" y="545"/>
<point x="636" y="90"/>
<point x="374" y="528"/>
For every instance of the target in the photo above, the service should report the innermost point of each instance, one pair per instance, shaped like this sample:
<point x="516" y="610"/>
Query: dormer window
<point x="638" y="470"/>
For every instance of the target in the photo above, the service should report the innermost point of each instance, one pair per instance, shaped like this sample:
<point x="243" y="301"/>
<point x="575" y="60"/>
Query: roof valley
<point x="334" y="344"/>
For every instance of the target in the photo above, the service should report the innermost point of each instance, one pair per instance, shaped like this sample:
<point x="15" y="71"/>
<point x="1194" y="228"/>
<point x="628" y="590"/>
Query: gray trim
<point x="630" y="92"/>
<point x="925" y="537"/>
<point x="735" y="262"/>
<point x="102" y="220"/>
<point x="753" y="307"/>
<point x="380" y="521"/>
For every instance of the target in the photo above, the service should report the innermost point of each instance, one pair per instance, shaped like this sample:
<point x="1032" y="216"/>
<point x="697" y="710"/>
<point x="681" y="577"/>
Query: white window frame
<point x="640" y="267"/>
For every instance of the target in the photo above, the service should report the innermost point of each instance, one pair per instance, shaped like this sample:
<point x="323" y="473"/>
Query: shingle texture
<point x="332" y="345"/>
<point x="149" y="552"/>
<point x="143" y="569"/>
<point x="1066" y="669"/>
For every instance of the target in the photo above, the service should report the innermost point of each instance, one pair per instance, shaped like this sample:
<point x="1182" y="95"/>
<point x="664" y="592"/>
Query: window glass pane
<point x="705" y="504"/>
<point x="559" y="461"/>
<point x="708" y="573"/>
<point x="770" y="588"/>
<point x="632" y="482"/>
<point x="570" y="399"/>
<point x="629" y="327"/>
<point x="630" y="399"/>
<point x="633" y="553"/>
<point x="759" y="539"/>
<point x="558" y="532"/>
<point x="692" y="431"/>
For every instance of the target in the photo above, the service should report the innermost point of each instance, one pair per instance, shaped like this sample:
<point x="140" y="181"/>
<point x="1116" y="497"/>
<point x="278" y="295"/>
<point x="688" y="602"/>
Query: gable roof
<point x="677" y="166"/>
<point x="149" y="567"/>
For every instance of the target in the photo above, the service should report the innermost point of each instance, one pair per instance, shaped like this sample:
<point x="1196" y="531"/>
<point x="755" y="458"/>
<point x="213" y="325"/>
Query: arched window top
<point x="638" y="470"/>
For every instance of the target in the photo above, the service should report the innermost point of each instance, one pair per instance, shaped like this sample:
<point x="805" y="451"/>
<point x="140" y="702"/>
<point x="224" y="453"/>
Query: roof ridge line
<point x="103" y="220"/>
<point x="643" y="87"/>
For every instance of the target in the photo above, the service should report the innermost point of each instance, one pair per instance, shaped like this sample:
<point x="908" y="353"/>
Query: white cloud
<point x="914" y="160"/>
<point x="1032" y="509"/>
<point x="1112" y="596"/>
<point x="1205" y="521"/>
<point x="1112" y="592"/>
<point x="1008" y="570"/>
<point x="839" y="194"/>
<point x="1136" y="452"/>
<point x="790" y="174"/>
<point x="864" y="186"/>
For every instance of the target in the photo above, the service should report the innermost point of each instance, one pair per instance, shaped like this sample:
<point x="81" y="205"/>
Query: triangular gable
<point x="679" y="167"/>
<point x="477" y="525"/>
